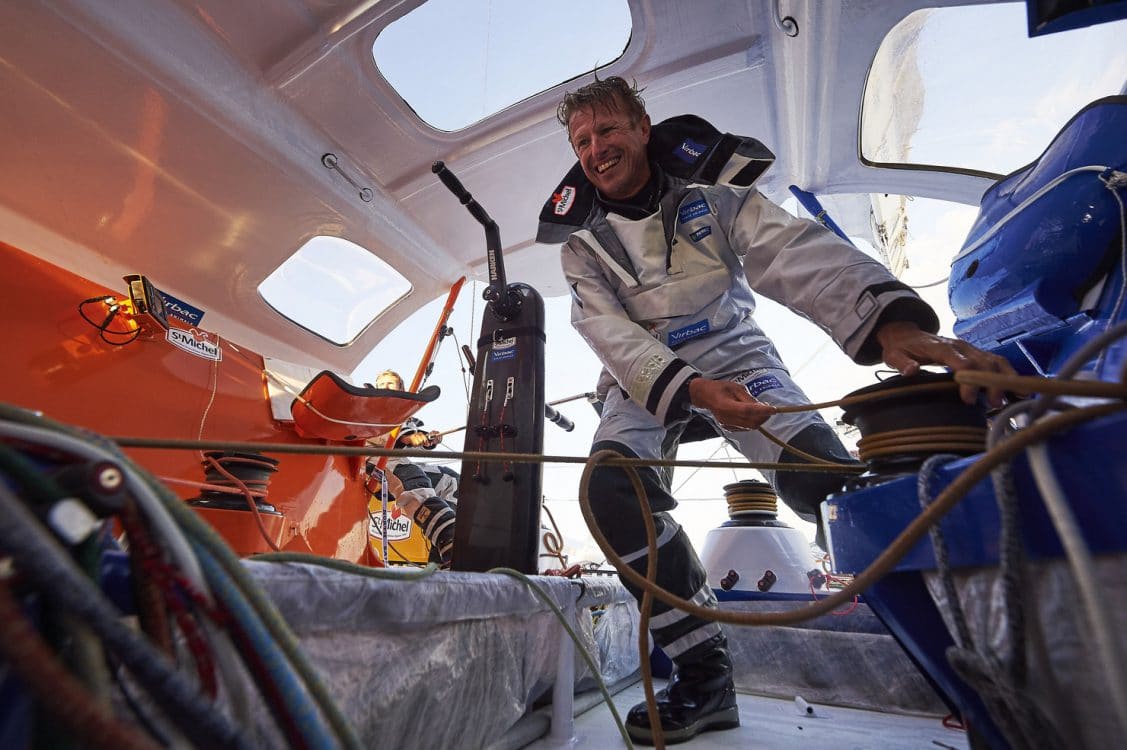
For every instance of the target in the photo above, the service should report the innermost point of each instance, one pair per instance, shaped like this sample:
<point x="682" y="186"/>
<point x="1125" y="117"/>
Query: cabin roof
<point x="186" y="141"/>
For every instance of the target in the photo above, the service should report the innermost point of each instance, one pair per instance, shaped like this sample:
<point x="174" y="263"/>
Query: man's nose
<point x="597" y="145"/>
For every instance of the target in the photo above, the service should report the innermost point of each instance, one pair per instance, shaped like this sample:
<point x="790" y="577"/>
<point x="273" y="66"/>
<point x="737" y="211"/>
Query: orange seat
<point x="332" y="409"/>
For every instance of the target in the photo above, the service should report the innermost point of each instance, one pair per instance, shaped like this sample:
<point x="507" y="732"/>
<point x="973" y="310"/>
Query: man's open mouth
<point x="600" y="168"/>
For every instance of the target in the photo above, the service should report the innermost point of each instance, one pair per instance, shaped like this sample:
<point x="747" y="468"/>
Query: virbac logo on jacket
<point x="762" y="384"/>
<point x="691" y="331"/>
<point x="689" y="151"/>
<point x="693" y="210"/>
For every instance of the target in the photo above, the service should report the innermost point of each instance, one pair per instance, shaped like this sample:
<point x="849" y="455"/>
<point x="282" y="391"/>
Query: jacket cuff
<point x="905" y="309"/>
<point x="681" y="402"/>
<point x="669" y="394"/>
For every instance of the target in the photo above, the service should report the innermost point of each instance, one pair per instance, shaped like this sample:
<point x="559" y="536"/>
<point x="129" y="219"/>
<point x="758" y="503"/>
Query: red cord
<point x="161" y="575"/>
<point x="841" y="613"/>
<point x="250" y="501"/>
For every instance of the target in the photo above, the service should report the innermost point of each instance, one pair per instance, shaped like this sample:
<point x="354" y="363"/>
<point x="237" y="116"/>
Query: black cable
<point x="103" y="327"/>
<point x="146" y="721"/>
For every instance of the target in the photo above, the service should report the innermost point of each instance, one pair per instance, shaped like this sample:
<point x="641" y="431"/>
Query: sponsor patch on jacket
<point x="700" y="234"/>
<point x="564" y="200"/>
<point x="762" y="384"/>
<point x="689" y="151"/>
<point x="693" y="210"/>
<point x="691" y="331"/>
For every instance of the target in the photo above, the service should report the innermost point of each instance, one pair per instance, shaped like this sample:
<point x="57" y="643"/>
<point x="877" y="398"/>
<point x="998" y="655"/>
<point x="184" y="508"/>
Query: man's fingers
<point x="748" y="416"/>
<point x="902" y="363"/>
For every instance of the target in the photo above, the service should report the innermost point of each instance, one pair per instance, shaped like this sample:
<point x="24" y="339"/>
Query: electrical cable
<point x="148" y="597"/>
<point x="149" y="723"/>
<point x="161" y="506"/>
<point x="103" y="327"/>
<point x="34" y="429"/>
<point x="930" y="284"/>
<point x="159" y="511"/>
<point x="278" y="678"/>
<point x="203" y="535"/>
<point x="55" y="689"/>
<point x="42" y="560"/>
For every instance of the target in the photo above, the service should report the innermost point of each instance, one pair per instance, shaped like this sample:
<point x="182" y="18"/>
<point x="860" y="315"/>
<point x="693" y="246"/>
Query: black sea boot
<point x="700" y="697"/>
<point x="436" y="520"/>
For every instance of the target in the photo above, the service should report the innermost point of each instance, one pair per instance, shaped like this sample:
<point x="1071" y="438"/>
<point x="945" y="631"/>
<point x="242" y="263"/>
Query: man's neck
<point x="643" y="203"/>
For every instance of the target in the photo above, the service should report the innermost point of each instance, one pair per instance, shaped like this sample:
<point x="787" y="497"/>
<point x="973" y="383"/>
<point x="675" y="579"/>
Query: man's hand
<point x="731" y="404"/>
<point x="422" y="439"/>
<point x="905" y="347"/>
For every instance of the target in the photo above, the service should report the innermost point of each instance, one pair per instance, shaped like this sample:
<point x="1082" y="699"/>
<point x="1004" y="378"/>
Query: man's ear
<point x="645" y="125"/>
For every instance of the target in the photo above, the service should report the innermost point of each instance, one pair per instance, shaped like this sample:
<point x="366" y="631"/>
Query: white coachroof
<point x="185" y="140"/>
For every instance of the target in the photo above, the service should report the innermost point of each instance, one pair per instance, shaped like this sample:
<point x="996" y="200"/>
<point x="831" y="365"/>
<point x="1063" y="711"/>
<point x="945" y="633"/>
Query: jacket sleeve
<point x="645" y="368"/>
<point x="801" y="264"/>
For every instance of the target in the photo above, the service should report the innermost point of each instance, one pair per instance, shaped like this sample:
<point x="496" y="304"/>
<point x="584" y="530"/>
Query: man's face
<point x="611" y="149"/>
<point x="389" y="382"/>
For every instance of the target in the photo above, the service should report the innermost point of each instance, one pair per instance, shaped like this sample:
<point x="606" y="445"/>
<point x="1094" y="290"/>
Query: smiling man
<point x="664" y="240"/>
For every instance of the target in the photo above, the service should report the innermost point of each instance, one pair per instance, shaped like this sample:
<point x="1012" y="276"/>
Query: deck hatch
<point x="456" y="62"/>
<point x="334" y="288"/>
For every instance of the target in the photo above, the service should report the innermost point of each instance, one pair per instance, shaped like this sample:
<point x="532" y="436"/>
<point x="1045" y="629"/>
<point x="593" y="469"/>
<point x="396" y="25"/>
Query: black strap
<point x="500" y="334"/>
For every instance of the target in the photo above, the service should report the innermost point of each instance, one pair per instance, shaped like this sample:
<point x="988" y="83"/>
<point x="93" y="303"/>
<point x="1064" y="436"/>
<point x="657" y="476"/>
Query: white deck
<point x="774" y="723"/>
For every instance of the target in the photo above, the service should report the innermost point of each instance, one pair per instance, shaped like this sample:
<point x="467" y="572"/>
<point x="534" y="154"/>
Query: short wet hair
<point x="609" y="92"/>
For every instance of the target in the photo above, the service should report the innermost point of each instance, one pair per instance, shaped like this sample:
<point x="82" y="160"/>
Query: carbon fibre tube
<point x="558" y="419"/>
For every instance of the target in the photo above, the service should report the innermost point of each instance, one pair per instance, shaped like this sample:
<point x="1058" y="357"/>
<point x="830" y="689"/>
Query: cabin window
<point x="456" y="62"/>
<point x="333" y="288"/>
<point x="966" y="89"/>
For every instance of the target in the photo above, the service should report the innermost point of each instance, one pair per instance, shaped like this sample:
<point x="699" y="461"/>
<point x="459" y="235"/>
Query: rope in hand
<point x="902" y="544"/>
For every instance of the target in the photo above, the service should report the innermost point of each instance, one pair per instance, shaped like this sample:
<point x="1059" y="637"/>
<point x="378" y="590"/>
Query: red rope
<point x="250" y="500"/>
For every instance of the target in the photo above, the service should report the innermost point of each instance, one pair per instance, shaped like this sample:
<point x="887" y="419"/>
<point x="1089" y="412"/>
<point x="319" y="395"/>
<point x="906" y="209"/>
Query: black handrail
<point x="497" y="293"/>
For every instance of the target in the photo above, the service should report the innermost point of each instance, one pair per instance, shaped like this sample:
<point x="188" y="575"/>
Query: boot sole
<point x="728" y="718"/>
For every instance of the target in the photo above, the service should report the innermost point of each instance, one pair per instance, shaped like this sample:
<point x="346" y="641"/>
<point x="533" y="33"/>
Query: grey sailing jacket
<point x="661" y="298"/>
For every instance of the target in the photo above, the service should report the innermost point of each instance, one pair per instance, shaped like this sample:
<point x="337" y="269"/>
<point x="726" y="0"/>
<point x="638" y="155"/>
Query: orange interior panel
<point x="59" y="363"/>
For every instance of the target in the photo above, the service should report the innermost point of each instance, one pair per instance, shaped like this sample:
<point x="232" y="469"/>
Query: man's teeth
<point x="606" y="165"/>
